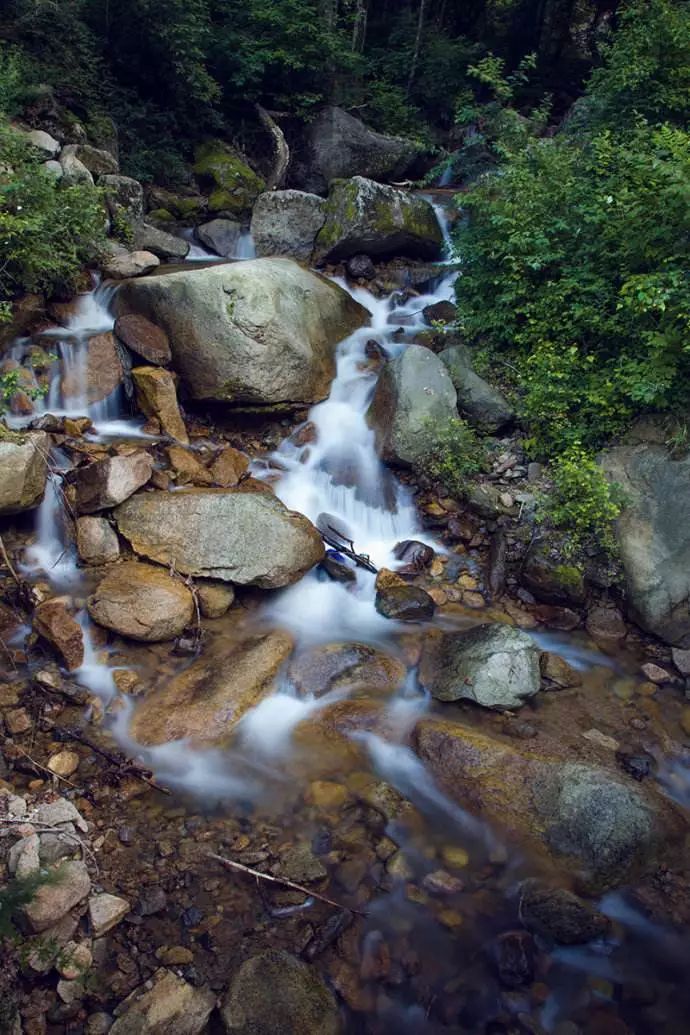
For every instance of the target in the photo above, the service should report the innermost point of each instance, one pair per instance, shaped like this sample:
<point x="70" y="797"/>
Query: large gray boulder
<point x="367" y="217"/>
<point x="236" y="535"/>
<point x="482" y="404"/>
<point x="258" y="333"/>
<point x="337" y="145"/>
<point x="286" y="222"/>
<point x="23" y="470"/>
<point x="277" y="994"/>
<point x="496" y="666"/>
<point x="654" y="537"/>
<point x="96" y="160"/>
<point x="413" y="403"/>
<point x="124" y="197"/>
<point x="149" y="238"/>
<point x="220" y="235"/>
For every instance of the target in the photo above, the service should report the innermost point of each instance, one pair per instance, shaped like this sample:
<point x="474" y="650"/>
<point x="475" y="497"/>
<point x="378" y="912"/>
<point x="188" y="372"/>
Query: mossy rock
<point x="234" y="186"/>
<point x="160" y="215"/>
<point x="551" y="577"/>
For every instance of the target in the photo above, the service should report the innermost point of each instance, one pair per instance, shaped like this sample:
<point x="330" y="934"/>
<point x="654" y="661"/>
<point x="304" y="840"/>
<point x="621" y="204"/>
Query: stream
<point x="428" y="962"/>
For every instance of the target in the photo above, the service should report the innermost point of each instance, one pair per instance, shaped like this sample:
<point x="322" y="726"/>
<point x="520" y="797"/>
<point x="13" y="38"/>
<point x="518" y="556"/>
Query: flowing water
<point x="442" y="972"/>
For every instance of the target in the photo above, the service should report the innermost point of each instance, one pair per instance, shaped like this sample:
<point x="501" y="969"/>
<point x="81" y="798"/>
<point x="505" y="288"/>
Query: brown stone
<point x="656" y="674"/>
<point x="52" y="900"/>
<point x="398" y="600"/>
<point x="110" y="481"/>
<point x="188" y="469"/>
<point x="17" y="720"/>
<point x="605" y="623"/>
<point x="557" y="669"/>
<point x="97" y="541"/>
<point x="214" y="598"/>
<point x="64" y="763"/>
<point x="104" y="371"/>
<point x="157" y="397"/>
<point x="142" y="602"/>
<point x="229" y="467"/>
<point x="144" y="338"/>
<point x="55" y="624"/>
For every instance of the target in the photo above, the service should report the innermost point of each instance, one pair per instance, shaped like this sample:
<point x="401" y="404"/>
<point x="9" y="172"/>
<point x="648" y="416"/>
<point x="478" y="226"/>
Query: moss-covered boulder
<point x="367" y="217"/>
<point x="233" y="187"/>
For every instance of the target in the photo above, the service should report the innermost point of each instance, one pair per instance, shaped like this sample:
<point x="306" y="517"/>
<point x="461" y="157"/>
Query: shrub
<point x="456" y="456"/>
<point x="582" y="501"/>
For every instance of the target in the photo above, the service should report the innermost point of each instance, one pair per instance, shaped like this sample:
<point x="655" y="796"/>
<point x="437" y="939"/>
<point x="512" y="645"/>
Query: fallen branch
<point x="126" y="767"/>
<point x="44" y="769"/>
<point x="8" y="563"/>
<point x="230" y="864"/>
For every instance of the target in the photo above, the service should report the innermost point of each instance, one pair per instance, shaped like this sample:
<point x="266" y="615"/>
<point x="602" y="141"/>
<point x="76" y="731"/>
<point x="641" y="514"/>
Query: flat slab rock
<point x="168" y="1005"/>
<point x="246" y="537"/>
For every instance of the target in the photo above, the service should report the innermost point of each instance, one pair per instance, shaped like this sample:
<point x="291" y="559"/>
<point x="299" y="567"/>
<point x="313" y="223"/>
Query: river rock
<point x="188" y="468"/>
<point x="247" y="537"/>
<point x="23" y="859"/>
<point x="413" y="402"/>
<point x="229" y="467"/>
<point x="336" y="145"/>
<point x="149" y="238"/>
<point x="233" y="186"/>
<point x="165" y="1005"/>
<point x="208" y="699"/>
<point x="494" y="665"/>
<point x="400" y="601"/>
<point x="157" y="397"/>
<point x="261" y="332"/>
<point x="582" y="815"/>
<point x="55" y="624"/>
<point x="215" y="598"/>
<point x="345" y="665"/>
<point x="43" y="142"/>
<point x="654" y="537"/>
<point x="364" y="216"/>
<point x="144" y="338"/>
<point x="105" y="483"/>
<point x="97" y="541"/>
<point x="558" y="914"/>
<point x="23" y="470"/>
<point x="67" y="886"/>
<point x="220" y="235"/>
<point x="483" y="405"/>
<point x="275" y="993"/>
<point x="605" y="624"/>
<point x="104" y="371"/>
<point x="105" y="912"/>
<point x="130" y="264"/>
<point x="360" y="267"/>
<point x="551" y="577"/>
<point x="286" y="222"/>
<point x="124" y="198"/>
<point x="142" y="602"/>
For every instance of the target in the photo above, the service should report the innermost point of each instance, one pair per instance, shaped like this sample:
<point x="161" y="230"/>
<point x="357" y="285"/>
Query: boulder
<point x="483" y="405"/>
<point x="574" y="814"/>
<point x="364" y="216"/>
<point x="23" y="470"/>
<point x="220" y="235"/>
<point x="413" y="402"/>
<point x="124" y="198"/>
<point x="144" y="338"/>
<point x="149" y="238"/>
<point x="494" y="665"/>
<point x="275" y="993"/>
<point x="165" y="1004"/>
<point x="43" y="142"/>
<point x="142" y="602"/>
<point x="360" y="267"/>
<point x="551" y="576"/>
<point x="105" y="483"/>
<point x="255" y="333"/>
<point x="55" y="624"/>
<point x="242" y="536"/>
<point x="229" y="467"/>
<point x="66" y="886"/>
<point x="54" y="169"/>
<point x="96" y="160"/>
<point x="337" y="145"/>
<point x="188" y="468"/>
<point x="207" y="700"/>
<point x="345" y="665"/>
<point x="74" y="171"/>
<point x="157" y="397"/>
<point x="400" y="601"/>
<point x="104" y="371"/>
<point x="215" y="598"/>
<point x="233" y="186"/>
<point x="286" y="222"/>
<point x="654" y="537"/>
<point x="97" y="541"/>
<point x="130" y="264"/>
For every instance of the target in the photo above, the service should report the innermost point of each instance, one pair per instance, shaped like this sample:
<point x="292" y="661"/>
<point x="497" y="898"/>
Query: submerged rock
<point x="349" y="665"/>
<point x="241" y="536"/>
<point x="103" y="375"/>
<point x="55" y="624"/>
<point x="480" y="402"/>
<point x="220" y="235"/>
<point x="364" y="216"/>
<point x="257" y="333"/>
<point x="558" y="914"/>
<point x="337" y="145"/>
<point x="164" y="1005"/>
<point x="275" y="993"/>
<point x="400" y="601"/>
<point x="286" y="222"/>
<point x="413" y="402"/>
<point x="23" y="470"/>
<point x="208" y="699"/>
<point x="496" y="666"/>
<point x="105" y="483"/>
<point x="654" y="537"/>
<point x="142" y="602"/>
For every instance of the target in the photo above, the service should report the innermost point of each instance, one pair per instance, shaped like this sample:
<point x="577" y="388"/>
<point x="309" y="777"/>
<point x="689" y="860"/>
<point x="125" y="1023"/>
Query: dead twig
<point x="8" y="563"/>
<point x="125" y="766"/>
<point x="45" y="769"/>
<point x="230" y="864"/>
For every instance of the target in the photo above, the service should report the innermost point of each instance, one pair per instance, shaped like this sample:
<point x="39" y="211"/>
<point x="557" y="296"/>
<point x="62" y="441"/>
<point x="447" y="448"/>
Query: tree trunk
<point x="417" y="45"/>
<point x="359" y="28"/>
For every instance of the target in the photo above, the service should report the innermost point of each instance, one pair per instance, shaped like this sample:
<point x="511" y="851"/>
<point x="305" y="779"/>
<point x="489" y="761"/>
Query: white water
<point x="199" y="253"/>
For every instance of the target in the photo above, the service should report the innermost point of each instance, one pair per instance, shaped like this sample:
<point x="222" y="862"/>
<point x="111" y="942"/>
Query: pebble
<point x="440" y="882"/>
<point x="74" y="960"/>
<point x="473" y="600"/>
<point x="175" y="956"/>
<point x="64" y="763"/>
<point x="152" y="899"/>
<point x="595" y="736"/>
<point x="106" y="911"/>
<point x="455" y="857"/>
<point x="450" y="918"/>
<point x="326" y="794"/>
<point x="655" y="673"/>
<point x="515" y="958"/>
<point x="71" y="991"/>
<point x="17" y="721"/>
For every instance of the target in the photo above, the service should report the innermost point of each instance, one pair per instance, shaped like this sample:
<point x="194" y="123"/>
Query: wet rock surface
<point x="23" y="471"/>
<point x="143" y="602"/>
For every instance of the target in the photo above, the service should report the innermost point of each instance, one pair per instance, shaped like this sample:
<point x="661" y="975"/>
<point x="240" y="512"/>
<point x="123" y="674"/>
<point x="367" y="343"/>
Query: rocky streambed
<point x="238" y="634"/>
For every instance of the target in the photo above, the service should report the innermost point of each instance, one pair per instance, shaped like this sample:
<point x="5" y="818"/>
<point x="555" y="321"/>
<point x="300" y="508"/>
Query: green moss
<point x="234" y="186"/>
<point x="568" y="575"/>
<point x="160" y="215"/>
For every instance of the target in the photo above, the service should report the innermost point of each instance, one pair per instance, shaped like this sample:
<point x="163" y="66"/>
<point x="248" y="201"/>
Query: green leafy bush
<point x="582" y="501"/>
<point x="456" y="456"/>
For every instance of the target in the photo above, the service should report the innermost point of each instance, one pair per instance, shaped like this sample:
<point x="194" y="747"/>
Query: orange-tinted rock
<point x="142" y="602"/>
<point x="104" y="371"/>
<point x="229" y="467"/>
<point x="55" y="624"/>
<point x="157" y="397"/>
<point x="144" y="338"/>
